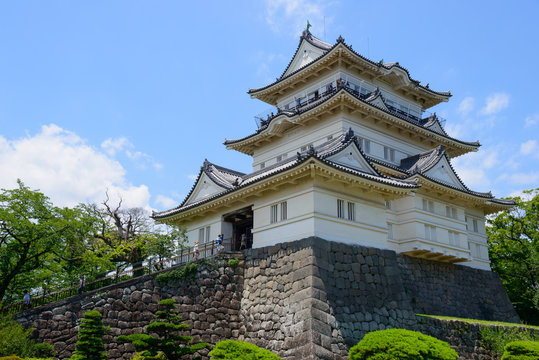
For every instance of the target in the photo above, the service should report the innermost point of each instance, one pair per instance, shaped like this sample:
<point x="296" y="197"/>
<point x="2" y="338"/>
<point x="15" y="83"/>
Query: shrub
<point x="90" y="344"/>
<point x="168" y="341"/>
<point x="495" y="338"/>
<point x="401" y="344"/>
<point x="139" y="356"/>
<point x="15" y="340"/>
<point x="10" y="357"/>
<point x="521" y="350"/>
<point x="188" y="271"/>
<point x="233" y="262"/>
<point x="240" y="350"/>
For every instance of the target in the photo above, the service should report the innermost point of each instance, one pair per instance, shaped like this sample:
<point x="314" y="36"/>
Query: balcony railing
<point x="265" y="117"/>
<point x="206" y="250"/>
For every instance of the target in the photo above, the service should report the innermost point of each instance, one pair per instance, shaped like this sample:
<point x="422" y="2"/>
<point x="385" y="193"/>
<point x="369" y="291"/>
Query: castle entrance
<point x="242" y="224"/>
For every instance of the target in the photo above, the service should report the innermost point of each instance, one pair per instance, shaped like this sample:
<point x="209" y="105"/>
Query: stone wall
<point x="307" y="299"/>
<point x="210" y="304"/>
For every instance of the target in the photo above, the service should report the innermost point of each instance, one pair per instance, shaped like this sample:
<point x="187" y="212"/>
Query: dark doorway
<point x="242" y="224"/>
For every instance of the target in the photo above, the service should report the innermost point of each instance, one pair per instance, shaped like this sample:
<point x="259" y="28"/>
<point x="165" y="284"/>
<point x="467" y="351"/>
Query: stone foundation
<point x="307" y="299"/>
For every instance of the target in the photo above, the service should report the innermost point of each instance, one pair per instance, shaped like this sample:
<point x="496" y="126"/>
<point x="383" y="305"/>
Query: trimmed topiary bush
<point x="521" y="350"/>
<point x="90" y="344"/>
<point x="240" y="350"/>
<point x="401" y="344"/>
<point x="169" y="341"/>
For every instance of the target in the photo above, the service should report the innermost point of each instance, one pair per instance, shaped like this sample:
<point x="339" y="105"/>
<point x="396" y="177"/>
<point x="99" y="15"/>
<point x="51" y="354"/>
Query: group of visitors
<point x="218" y="244"/>
<point x="26" y="295"/>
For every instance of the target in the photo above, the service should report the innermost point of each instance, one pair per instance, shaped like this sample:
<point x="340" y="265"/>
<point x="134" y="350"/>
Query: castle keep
<point x="349" y="154"/>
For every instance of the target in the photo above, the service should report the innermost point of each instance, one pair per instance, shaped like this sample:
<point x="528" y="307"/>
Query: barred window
<point x="430" y="232"/>
<point x="340" y="208"/>
<point x="273" y="215"/>
<point x="475" y="228"/>
<point x="351" y="211"/>
<point x="390" y="231"/>
<point x="207" y="233"/>
<point x="201" y="235"/>
<point x="284" y="210"/>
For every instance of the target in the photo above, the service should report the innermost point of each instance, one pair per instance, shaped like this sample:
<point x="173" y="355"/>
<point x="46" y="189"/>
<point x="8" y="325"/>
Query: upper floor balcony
<point x="361" y="90"/>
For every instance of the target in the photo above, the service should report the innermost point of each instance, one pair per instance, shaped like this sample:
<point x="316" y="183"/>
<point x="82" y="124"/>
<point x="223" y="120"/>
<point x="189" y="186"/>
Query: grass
<point x="479" y="322"/>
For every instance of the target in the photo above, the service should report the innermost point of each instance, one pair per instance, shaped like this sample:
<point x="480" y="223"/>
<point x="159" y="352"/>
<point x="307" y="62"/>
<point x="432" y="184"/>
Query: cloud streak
<point x="495" y="103"/>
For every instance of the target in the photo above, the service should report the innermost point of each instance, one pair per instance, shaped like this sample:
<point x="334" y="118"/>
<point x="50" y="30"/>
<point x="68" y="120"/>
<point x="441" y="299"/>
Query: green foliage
<point x="139" y="356"/>
<point x="15" y="340"/>
<point x="240" y="350"/>
<point x="233" y="262"/>
<point x="513" y="244"/>
<point x="495" y="338"/>
<point x="37" y="241"/>
<point x="168" y="340"/>
<point x="10" y="357"/>
<point x="401" y="344"/>
<point x="90" y="344"/>
<point x="521" y="350"/>
<point x="188" y="271"/>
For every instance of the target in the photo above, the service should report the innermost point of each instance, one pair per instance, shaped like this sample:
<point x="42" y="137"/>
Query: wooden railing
<point x="206" y="250"/>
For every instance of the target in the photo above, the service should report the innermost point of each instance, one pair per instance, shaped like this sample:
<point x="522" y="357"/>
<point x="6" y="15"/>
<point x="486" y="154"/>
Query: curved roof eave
<point x="397" y="183"/>
<point x="340" y="40"/>
<point x="227" y="142"/>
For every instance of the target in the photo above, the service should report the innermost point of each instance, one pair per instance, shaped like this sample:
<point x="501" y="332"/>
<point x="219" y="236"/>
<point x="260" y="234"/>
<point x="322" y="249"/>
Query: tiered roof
<point x="374" y="102"/>
<point x="393" y="73"/>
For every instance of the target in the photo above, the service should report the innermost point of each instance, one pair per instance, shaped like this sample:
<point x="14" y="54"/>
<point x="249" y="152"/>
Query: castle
<point x="350" y="154"/>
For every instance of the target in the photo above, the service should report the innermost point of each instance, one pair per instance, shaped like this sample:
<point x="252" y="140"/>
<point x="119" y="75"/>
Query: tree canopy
<point x="513" y="241"/>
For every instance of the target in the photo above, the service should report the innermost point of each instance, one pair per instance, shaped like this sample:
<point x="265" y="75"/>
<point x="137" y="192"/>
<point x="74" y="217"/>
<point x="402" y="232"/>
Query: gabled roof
<point x="306" y="38"/>
<point x="342" y="50"/>
<point x="325" y="153"/>
<point x="435" y="165"/>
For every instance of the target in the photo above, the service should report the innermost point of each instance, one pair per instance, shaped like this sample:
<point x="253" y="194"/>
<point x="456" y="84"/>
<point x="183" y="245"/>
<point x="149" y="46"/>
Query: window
<point x="262" y="165"/>
<point x="451" y="212"/>
<point x="279" y="158"/>
<point x="351" y="211"/>
<point x="207" y="233"/>
<point x="389" y="154"/>
<point x="273" y="214"/>
<point x="478" y="250"/>
<point x="388" y="205"/>
<point x="430" y="233"/>
<point x="466" y="221"/>
<point x="453" y="238"/>
<point x="340" y="208"/>
<point x="390" y="231"/>
<point x="428" y="205"/>
<point x="367" y="146"/>
<point x="201" y="235"/>
<point x="474" y="222"/>
<point x="304" y="148"/>
<point x="284" y="210"/>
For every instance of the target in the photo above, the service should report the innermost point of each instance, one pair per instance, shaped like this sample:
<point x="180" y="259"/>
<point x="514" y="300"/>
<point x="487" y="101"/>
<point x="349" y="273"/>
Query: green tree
<point x="240" y="350"/>
<point x="401" y="344"/>
<point x="15" y="340"/>
<point x="130" y="237"/>
<point x="513" y="244"/>
<point x="168" y="340"/>
<point x="90" y="344"/>
<point x="35" y="238"/>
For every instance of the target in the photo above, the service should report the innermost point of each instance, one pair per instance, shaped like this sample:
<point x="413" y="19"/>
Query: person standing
<point x="82" y="283"/>
<point x="26" y="300"/>
<point x="196" y="251"/>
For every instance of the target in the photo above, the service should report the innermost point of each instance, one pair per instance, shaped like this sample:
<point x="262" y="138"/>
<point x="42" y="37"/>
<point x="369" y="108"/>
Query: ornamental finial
<point x="340" y="39"/>
<point x="307" y="26"/>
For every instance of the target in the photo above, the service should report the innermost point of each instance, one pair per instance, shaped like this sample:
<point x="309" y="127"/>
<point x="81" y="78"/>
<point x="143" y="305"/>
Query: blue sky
<point x="131" y="96"/>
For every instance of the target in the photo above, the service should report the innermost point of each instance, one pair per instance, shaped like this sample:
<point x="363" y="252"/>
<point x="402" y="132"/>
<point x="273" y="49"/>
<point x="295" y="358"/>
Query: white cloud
<point x="473" y="167"/>
<point x="192" y="177"/>
<point x="531" y="120"/>
<point x="290" y="16"/>
<point x="529" y="147"/>
<point x="454" y="130"/>
<point x="527" y="180"/>
<point x="166" y="202"/>
<point x="142" y="160"/>
<point x="466" y="106"/>
<point x="60" y="164"/>
<point x="495" y="103"/>
<point x="112" y="146"/>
